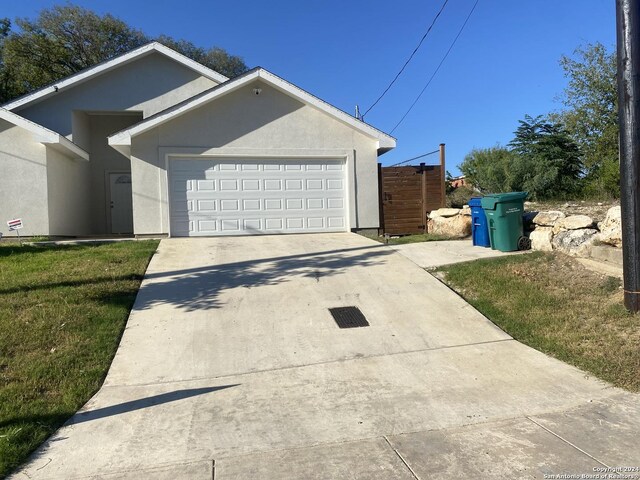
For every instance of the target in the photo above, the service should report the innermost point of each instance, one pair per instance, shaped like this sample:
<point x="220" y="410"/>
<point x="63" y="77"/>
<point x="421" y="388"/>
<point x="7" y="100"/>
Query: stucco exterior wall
<point x="105" y="159"/>
<point x="23" y="181"/>
<point x="67" y="192"/>
<point x="80" y="127"/>
<point x="148" y="85"/>
<point x="257" y="125"/>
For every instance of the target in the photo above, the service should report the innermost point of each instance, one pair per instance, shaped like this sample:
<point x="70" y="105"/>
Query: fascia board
<point x="385" y="142"/>
<point x="124" y="137"/>
<point x="44" y="135"/>
<point x="104" y="67"/>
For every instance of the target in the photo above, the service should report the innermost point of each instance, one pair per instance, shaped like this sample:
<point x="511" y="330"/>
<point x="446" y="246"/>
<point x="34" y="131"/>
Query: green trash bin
<point x="504" y="218"/>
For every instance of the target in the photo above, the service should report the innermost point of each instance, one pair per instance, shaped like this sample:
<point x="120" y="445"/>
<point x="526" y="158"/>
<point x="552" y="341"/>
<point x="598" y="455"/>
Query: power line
<point x="438" y="68"/>
<point x="414" y="158"/>
<point x="407" y="62"/>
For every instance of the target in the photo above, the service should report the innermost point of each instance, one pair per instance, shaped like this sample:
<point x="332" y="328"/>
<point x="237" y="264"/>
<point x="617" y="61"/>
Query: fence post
<point x="380" y="201"/>
<point x="423" y="174"/>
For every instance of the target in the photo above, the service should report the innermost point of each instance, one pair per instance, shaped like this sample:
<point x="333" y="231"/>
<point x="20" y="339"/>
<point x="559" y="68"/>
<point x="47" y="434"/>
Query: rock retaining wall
<point x="549" y="230"/>
<point x="450" y="222"/>
<point x="574" y="234"/>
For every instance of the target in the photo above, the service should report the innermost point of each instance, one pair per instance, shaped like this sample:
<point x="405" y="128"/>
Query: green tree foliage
<point x="547" y="161"/>
<point x="6" y="87"/>
<point x="542" y="159"/>
<point x="487" y="169"/>
<point x="65" y="39"/>
<point x="214" y="58"/>
<point x="591" y="115"/>
<point x="571" y="152"/>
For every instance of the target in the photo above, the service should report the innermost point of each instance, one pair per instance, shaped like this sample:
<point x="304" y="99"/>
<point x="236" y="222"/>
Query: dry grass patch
<point x="400" y="240"/>
<point x="552" y="303"/>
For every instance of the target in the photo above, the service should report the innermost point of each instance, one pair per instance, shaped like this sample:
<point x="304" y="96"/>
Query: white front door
<point x="121" y="204"/>
<point x="257" y="196"/>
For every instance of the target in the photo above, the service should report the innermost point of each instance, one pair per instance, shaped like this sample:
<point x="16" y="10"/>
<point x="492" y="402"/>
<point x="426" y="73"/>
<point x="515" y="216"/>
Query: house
<point x="153" y="143"/>
<point x="457" y="182"/>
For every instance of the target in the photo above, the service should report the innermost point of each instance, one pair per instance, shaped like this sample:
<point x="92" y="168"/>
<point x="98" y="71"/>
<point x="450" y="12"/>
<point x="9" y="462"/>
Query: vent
<point x="348" y="317"/>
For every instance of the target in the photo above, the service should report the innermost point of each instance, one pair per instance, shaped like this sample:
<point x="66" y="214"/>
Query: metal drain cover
<point x="348" y="317"/>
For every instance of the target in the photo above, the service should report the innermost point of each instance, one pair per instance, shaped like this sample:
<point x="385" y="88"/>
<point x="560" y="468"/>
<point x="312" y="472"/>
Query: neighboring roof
<point x="123" y="138"/>
<point x="44" y="135"/>
<point x="108" y="65"/>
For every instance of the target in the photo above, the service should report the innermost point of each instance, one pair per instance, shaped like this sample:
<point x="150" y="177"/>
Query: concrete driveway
<point x="231" y="367"/>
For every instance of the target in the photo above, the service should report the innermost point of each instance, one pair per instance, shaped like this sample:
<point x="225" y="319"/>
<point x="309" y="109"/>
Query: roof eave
<point x="110" y="64"/>
<point x="44" y="135"/>
<point x="67" y="147"/>
<point x="385" y="142"/>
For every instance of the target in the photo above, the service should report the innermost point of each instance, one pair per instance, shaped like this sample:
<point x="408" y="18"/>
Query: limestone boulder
<point x="458" y="226"/>
<point x="541" y="239"/>
<point x="444" y="212"/>
<point x="466" y="210"/>
<point x="576" y="243"/>
<point x="548" y="218"/>
<point x="573" y="222"/>
<point x="611" y="228"/>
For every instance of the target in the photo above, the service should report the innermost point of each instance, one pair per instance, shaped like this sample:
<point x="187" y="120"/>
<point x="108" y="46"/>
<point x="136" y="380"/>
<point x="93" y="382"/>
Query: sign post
<point x="15" y="224"/>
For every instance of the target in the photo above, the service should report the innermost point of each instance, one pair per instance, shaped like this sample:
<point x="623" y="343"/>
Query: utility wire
<point x="407" y="62"/>
<point x="414" y="158"/>
<point x="438" y="68"/>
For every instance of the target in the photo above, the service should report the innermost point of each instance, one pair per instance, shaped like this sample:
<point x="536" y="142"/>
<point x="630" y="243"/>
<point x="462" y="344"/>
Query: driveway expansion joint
<point x="567" y="442"/>
<point x="401" y="458"/>
<point x="304" y="365"/>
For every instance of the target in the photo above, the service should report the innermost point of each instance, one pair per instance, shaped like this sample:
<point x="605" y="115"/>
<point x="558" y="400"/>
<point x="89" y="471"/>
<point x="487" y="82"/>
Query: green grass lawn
<point x="62" y="312"/>
<point x="553" y="304"/>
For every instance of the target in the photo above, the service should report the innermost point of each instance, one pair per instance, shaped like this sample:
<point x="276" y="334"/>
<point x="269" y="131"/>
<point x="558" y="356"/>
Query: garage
<point x="252" y="196"/>
<point x="254" y="155"/>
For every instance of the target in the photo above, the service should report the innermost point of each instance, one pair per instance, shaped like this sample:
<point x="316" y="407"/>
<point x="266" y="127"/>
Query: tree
<point x="547" y="162"/>
<point x="6" y="82"/>
<point x="487" y="169"/>
<point x="541" y="159"/>
<point x="60" y="42"/>
<point x="591" y="115"/>
<point x="214" y="58"/>
<point x="66" y="39"/>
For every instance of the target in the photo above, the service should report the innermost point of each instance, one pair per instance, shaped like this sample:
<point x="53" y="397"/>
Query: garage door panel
<point x="249" y="196"/>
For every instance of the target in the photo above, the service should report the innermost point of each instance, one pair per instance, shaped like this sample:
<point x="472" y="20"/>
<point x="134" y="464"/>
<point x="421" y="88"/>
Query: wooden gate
<point x="407" y="195"/>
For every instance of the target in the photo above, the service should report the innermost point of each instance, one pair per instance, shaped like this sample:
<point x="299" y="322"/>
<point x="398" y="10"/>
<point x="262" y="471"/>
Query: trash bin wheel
<point x="524" y="243"/>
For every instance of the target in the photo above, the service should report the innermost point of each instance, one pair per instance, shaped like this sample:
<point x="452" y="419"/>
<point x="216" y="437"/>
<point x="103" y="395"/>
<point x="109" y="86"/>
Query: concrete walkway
<point x="437" y="254"/>
<point x="231" y="367"/>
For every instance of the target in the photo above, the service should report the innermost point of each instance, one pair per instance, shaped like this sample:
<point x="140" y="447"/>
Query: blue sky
<point x="503" y="66"/>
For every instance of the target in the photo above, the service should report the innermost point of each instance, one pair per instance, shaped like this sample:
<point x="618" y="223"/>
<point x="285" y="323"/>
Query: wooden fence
<point x="407" y="195"/>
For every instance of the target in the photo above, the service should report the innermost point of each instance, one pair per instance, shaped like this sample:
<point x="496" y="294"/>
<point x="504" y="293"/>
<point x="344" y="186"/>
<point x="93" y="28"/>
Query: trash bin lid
<point x="511" y="196"/>
<point x="489" y="202"/>
<point x="475" y="202"/>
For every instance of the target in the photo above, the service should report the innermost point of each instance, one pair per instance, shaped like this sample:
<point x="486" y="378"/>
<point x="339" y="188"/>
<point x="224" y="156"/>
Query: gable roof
<point x="123" y="138"/>
<point x="111" y="64"/>
<point x="44" y="135"/>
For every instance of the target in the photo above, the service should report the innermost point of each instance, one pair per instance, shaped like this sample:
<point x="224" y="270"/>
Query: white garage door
<point x="249" y="196"/>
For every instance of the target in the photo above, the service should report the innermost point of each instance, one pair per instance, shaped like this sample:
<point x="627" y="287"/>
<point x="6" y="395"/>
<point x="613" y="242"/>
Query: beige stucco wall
<point x="23" y="181"/>
<point x="105" y="159"/>
<point x="148" y="85"/>
<point x="271" y="123"/>
<point x="81" y="129"/>
<point x="67" y="191"/>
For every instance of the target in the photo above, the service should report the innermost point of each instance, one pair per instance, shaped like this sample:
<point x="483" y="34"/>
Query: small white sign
<point x="15" y="224"/>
